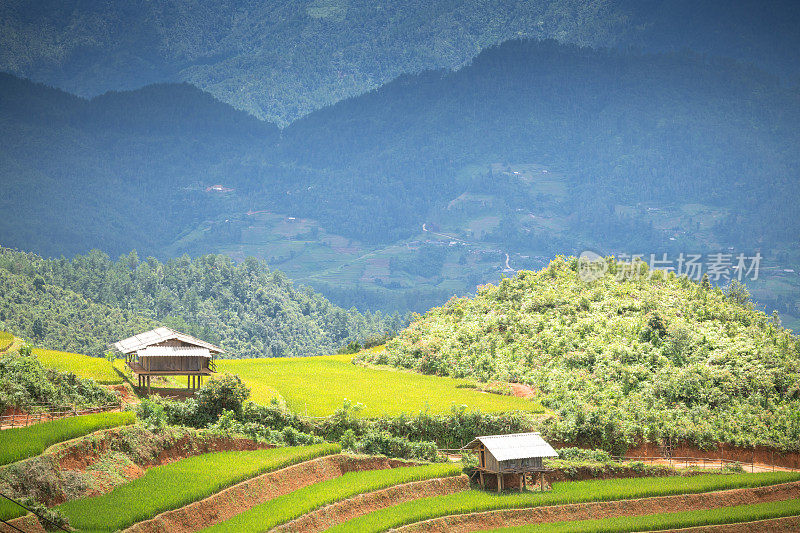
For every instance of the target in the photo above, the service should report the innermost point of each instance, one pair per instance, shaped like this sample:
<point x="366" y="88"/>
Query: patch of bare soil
<point x="522" y="391"/>
<point x="359" y="505"/>
<point x="126" y="394"/>
<point x="789" y="524"/>
<point x="241" y="497"/>
<point x="595" y="510"/>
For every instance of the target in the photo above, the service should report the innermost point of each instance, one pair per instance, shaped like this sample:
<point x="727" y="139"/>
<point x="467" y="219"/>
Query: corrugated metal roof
<point x="514" y="446"/>
<point x="155" y="336"/>
<point x="174" y="351"/>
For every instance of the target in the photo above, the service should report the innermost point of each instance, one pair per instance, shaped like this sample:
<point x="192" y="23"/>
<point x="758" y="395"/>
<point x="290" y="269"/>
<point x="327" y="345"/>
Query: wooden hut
<point x="510" y="458"/>
<point x="166" y="352"/>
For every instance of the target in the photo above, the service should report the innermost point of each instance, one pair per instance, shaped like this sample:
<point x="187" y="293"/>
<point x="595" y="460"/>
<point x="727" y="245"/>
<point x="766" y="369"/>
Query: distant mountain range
<point x="281" y="59"/>
<point x="533" y="149"/>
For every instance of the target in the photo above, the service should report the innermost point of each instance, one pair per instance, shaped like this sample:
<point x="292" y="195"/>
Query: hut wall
<point x="174" y="363"/>
<point x="492" y="465"/>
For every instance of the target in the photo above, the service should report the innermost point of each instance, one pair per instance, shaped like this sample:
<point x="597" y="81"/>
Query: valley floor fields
<point x="317" y="386"/>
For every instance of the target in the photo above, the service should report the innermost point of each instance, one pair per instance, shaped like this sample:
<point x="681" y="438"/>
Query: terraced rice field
<point x="381" y="391"/>
<point x="663" y="521"/>
<point x="180" y="483"/>
<point x="83" y="366"/>
<point x="20" y="443"/>
<point x="564" y="493"/>
<point x="290" y="506"/>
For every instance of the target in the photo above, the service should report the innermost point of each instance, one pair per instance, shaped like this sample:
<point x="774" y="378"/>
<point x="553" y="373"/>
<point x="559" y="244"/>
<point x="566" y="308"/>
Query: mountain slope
<point x="282" y="59"/>
<point x="628" y="357"/>
<point x="627" y="129"/>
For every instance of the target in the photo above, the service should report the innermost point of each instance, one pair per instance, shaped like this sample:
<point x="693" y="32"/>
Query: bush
<point x="224" y="393"/>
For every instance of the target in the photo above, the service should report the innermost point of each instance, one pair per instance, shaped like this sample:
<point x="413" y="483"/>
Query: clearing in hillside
<point x="317" y="386"/>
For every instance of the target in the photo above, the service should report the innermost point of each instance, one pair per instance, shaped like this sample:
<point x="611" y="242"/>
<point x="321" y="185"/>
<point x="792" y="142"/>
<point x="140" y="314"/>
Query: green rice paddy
<point x="317" y="386"/>
<point x="562" y="493"/>
<point x="83" y="366"/>
<point x="290" y="506"/>
<point x="678" y="520"/>
<point x="20" y="443"/>
<point x="180" y="483"/>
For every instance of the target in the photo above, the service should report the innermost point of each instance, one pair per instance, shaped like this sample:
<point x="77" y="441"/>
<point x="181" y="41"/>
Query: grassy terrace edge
<point x="174" y="485"/>
<point x="562" y="493"/>
<point x="290" y="506"/>
<point x="678" y="520"/>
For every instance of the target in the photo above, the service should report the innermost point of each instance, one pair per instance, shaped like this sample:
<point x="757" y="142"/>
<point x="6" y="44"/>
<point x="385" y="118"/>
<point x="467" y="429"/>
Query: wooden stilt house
<point x="166" y="352"/>
<point x="511" y="459"/>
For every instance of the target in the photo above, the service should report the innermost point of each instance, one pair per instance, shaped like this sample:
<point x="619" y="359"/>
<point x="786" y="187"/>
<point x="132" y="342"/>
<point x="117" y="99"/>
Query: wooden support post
<point x="524" y="481"/>
<point x="521" y="480"/>
<point x="541" y="482"/>
<point x="483" y="483"/>
<point x="499" y="481"/>
<point x="148" y="386"/>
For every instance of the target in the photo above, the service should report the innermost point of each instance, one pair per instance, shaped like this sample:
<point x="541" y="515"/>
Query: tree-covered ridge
<point x="654" y="357"/>
<point x="281" y="59"/>
<point x="90" y="301"/>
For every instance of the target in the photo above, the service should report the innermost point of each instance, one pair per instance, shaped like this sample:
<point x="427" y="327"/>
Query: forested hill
<point x="635" y="355"/>
<point x="280" y="59"/>
<point x="86" y="303"/>
<point x="121" y="171"/>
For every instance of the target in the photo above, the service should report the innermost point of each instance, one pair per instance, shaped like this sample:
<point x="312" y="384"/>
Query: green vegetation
<point x="180" y="483"/>
<point x="623" y="359"/>
<point x="245" y="308"/>
<point x="26" y="384"/>
<point x="97" y="368"/>
<point x="562" y="493"/>
<point x="20" y="443"/>
<point x="664" y="521"/>
<point x="381" y="391"/>
<point x="293" y="505"/>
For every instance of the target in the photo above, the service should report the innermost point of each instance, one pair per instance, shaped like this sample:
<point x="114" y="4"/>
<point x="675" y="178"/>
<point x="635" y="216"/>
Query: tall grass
<point x="83" y="366"/>
<point x="290" y="506"/>
<point x="381" y="391"/>
<point x="180" y="483"/>
<point x="657" y="522"/>
<point x="21" y="443"/>
<point x="562" y="493"/>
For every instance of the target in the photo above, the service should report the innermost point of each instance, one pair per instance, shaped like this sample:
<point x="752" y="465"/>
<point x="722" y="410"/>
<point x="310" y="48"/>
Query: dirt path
<point x="595" y="510"/>
<point x="789" y="524"/>
<point x="339" y="512"/>
<point x="241" y="497"/>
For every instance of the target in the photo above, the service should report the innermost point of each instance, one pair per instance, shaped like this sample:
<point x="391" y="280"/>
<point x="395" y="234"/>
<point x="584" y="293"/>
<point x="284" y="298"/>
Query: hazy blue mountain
<point x="282" y="59"/>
